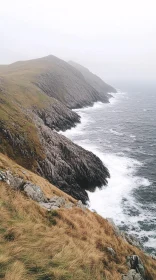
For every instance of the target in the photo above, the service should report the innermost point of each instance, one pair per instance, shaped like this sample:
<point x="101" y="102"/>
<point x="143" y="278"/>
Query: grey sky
<point x="116" y="39"/>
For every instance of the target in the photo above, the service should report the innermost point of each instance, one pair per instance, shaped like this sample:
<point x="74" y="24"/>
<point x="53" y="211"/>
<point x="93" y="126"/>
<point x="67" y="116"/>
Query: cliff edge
<point x="36" y="98"/>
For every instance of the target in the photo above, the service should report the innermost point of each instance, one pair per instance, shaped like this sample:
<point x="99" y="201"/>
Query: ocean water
<point x="123" y="135"/>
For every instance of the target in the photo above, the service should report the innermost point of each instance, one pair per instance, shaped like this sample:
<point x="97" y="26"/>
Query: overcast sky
<point x="116" y="39"/>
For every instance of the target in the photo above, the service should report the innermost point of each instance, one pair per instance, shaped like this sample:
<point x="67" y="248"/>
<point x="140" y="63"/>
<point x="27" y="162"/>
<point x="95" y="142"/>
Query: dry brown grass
<point x="74" y="247"/>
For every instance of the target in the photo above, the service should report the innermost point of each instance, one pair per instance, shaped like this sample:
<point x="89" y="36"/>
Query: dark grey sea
<point x="123" y="135"/>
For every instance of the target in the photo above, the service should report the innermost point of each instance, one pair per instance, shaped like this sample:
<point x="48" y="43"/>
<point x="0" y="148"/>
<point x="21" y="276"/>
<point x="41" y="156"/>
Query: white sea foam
<point x="85" y="122"/>
<point x="108" y="200"/>
<point x="116" y="200"/>
<point x="151" y="242"/>
<point x="96" y="105"/>
<point x="113" y="131"/>
<point x="132" y="136"/>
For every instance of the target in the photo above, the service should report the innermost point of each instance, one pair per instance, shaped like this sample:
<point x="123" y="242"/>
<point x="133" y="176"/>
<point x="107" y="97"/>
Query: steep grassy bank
<point x="63" y="244"/>
<point x="20" y="101"/>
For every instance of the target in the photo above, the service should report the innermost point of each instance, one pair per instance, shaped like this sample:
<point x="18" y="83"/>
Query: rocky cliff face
<point x="36" y="97"/>
<point x="68" y="166"/>
<point x="57" y="116"/>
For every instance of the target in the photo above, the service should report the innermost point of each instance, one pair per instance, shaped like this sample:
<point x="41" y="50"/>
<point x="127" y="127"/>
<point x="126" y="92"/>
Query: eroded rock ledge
<point x="68" y="166"/>
<point x="57" y="116"/>
<point x="65" y="164"/>
<point x="35" y="193"/>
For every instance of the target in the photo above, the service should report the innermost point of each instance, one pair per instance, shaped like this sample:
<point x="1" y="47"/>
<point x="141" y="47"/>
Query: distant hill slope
<point x="97" y="83"/>
<point x="35" y="101"/>
<point x="57" y="79"/>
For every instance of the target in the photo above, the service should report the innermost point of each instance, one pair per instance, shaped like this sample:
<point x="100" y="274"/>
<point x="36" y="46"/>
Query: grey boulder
<point x="111" y="251"/>
<point x="57" y="201"/>
<point x="137" y="271"/>
<point x="34" y="192"/>
<point x="132" y="275"/>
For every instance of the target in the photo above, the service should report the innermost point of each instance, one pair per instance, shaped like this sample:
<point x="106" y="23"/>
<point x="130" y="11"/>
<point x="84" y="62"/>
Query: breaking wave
<point x="118" y="200"/>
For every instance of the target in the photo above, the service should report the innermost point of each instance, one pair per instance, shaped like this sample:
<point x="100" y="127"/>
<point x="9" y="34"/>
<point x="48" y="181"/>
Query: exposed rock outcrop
<point x="130" y="238"/>
<point x="137" y="270"/>
<point x="32" y="191"/>
<point x="111" y="251"/>
<point x="57" y="116"/>
<point x="35" y="193"/>
<point x="66" y="165"/>
<point x="132" y="275"/>
<point x="70" y="167"/>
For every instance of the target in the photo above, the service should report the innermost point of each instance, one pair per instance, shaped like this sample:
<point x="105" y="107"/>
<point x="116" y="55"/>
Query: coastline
<point x="128" y="237"/>
<point x="94" y="105"/>
<point x="111" y="201"/>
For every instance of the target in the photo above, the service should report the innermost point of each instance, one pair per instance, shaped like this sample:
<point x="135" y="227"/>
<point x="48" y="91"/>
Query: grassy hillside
<point x="54" y="77"/>
<point x="18" y="98"/>
<point x="34" y="84"/>
<point x="64" y="244"/>
<point x="14" y="99"/>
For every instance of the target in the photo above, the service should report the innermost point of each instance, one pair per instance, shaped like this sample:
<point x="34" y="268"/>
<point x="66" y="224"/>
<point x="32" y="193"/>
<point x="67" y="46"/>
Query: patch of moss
<point x="2" y="230"/>
<point x="9" y="236"/>
<point x="48" y="276"/>
<point x="3" y="268"/>
<point x="51" y="217"/>
<point x="40" y="272"/>
<point x="66" y="276"/>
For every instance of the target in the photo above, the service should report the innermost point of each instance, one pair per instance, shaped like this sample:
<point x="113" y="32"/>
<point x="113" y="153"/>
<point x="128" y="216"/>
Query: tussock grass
<point x="75" y="247"/>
